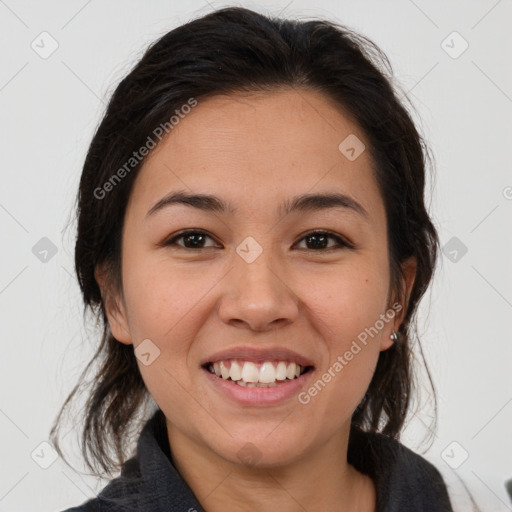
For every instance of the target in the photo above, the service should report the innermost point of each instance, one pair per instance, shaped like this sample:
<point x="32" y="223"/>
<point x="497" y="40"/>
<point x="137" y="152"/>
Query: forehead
<point x="246" y="124"/>
<point x="259" y="146"/>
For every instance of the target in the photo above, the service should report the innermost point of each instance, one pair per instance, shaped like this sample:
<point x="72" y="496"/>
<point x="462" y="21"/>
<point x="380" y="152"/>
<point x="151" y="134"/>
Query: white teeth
<point x="290" y="372"/>
<point x="223" y="370"/>
<point x="267" y="373"/>
<point x="250" y="372"/>
<point x="247" y="373"/>
<point x="255" y="384"/>
<point x="281" y="371"/>
<point x="235" y="372"/>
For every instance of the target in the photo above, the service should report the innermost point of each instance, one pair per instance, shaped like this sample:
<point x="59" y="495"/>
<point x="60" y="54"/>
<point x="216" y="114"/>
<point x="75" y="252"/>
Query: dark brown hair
<point x="237" y="50"/>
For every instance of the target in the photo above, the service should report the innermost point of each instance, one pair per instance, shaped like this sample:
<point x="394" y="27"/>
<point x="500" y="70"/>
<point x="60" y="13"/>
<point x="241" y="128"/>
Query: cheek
<point x="349" y="310"/>
<point x="162" y="306"/>
<point x="159" y="298"/>
<point x="349" y="300"/>
<point x="168" y="304"/>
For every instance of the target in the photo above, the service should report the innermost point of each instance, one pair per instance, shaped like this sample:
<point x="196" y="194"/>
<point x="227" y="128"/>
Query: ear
<point x="114" y="308"/>
<point x="400" y="305"/>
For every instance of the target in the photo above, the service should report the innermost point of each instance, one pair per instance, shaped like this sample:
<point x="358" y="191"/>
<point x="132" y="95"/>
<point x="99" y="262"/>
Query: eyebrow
<point x="302" y="203"/>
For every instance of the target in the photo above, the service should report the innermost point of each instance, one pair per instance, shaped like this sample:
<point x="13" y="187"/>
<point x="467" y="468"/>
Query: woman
<point x="253" y="235"/>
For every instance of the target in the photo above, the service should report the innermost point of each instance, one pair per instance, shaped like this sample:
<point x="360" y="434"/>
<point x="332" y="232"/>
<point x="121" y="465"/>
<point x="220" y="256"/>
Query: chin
<point x="261" y="451"/>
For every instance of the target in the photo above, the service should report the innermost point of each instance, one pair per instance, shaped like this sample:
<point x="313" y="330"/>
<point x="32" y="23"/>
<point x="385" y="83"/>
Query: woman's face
<point x="256" y="284"/>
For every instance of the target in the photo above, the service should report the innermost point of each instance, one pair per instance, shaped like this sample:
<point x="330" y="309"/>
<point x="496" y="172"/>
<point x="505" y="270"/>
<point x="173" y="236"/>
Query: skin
<point x="256" y="151"/>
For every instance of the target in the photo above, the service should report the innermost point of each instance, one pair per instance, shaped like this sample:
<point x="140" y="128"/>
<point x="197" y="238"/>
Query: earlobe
<point x="386" y="343"/>
<point x="118" y="324"/>
<point x="400" y="307"/>
<point x="114" y="309"/>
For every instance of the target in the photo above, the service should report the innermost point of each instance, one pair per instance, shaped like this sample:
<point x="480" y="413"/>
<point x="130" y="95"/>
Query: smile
<point x="251" y="374"/>
<point x="251" y="384"/>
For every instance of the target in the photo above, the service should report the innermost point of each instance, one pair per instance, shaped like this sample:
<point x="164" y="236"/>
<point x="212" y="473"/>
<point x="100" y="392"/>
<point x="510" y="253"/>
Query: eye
<point x="193" y="239"/>
<point x="320" y="239"/>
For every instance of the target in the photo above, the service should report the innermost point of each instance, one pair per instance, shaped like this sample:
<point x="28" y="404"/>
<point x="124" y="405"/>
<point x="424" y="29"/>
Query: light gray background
<point x="49" y="110"/>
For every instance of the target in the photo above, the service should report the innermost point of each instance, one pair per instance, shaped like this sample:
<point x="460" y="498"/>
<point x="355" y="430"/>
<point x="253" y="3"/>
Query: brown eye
<point x="316" y="241"/>
<point x="319" y="240"/>
<point x="191" y="239"/>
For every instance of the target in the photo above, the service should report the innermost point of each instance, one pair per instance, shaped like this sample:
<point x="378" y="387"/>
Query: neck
<point x="320" y="480"/>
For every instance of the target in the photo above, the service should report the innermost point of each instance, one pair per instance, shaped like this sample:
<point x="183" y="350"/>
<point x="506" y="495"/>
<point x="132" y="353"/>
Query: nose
<point x="257" y="295"/>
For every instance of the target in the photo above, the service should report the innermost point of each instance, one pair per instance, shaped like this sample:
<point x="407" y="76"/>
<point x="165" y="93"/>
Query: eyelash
<point x="341" y="242"/>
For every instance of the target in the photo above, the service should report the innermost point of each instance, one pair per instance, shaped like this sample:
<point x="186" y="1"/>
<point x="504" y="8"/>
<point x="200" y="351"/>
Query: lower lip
<point x="258" y="396"/>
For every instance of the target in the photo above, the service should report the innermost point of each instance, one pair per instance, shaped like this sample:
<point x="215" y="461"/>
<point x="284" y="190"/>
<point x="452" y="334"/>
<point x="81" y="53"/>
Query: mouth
<point x="253" y="374"/>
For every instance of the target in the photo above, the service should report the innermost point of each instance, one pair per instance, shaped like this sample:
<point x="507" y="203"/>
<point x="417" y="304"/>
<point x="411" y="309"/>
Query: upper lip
<point x="258" y="355"/>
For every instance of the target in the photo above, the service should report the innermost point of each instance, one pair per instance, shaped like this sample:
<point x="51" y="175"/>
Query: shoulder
<point x="404" y="479"/>
<point x="120" y="494"/>
<point x="148" y="482"/>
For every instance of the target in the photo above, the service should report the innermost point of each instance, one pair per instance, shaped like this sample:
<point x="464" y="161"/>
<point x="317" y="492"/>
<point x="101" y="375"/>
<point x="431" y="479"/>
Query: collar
<point x="149" y="482"/>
